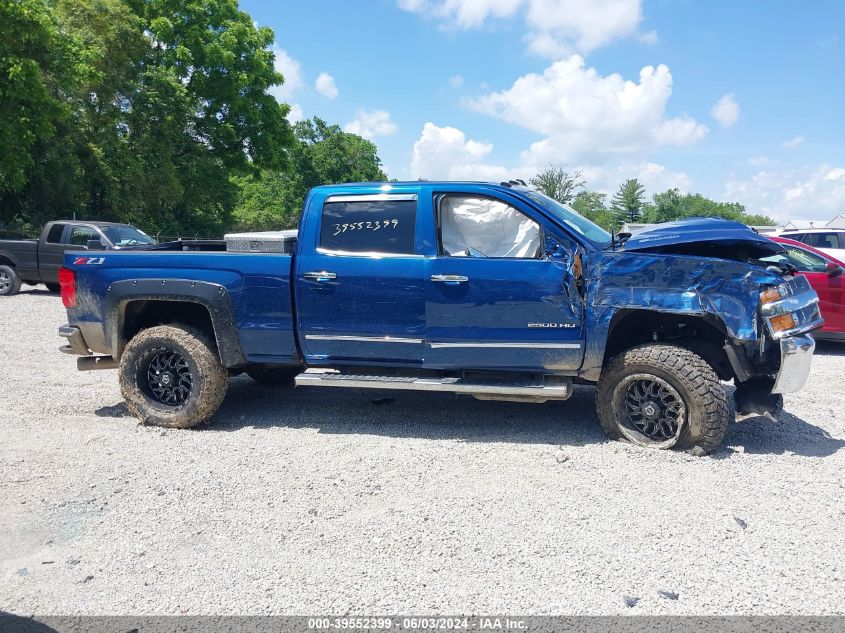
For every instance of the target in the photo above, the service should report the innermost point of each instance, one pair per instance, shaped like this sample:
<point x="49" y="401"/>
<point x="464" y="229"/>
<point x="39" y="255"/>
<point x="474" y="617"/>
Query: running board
<point x="557" y="388"/>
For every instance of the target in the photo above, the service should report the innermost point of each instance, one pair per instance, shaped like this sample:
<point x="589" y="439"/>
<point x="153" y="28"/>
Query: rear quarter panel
<point x="257" y="285"/>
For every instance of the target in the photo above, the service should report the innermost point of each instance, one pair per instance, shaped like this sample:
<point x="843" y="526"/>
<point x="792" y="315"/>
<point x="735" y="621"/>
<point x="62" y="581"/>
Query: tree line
<point x="629" y="204"/>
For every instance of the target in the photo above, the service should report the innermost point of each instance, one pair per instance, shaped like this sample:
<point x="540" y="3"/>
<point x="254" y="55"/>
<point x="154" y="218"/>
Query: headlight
<point x="790" y="307"/>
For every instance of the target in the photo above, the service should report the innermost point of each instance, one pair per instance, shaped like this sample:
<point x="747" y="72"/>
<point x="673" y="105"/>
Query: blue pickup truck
<point x="491" y="290"/>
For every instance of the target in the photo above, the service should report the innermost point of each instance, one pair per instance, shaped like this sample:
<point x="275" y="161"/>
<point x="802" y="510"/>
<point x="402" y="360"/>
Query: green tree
<point x="38" y="61"/>
<point x="322" y="154"/>
<point x="665" y="207"/>
<point x="592" y="205"/>
<point x="627" y="203"/>
<point x="559" y="184"/>
<point x="177" y="102"/>
<point x="672" y="205"/>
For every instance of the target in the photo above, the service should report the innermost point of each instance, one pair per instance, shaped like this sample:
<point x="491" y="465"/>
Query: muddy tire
<point x="662" y="396"/>
<point x="171" y="376"/>
<point x="273" y="375"/>
<point x="10" y="283"/>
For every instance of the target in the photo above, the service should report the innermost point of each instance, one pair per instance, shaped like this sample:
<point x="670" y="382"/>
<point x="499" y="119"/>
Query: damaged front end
<point x="713" y="291"/>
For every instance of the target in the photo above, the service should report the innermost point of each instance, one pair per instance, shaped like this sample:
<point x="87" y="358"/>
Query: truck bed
<point x="23" y="253"/>
<point x="256" y="288"/>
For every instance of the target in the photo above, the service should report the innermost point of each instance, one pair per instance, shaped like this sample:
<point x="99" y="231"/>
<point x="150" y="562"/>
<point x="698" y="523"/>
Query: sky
<point x="740" y="101"/>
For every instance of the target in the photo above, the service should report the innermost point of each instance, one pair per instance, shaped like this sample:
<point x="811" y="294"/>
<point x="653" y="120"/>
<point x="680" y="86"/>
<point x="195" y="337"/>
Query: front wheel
<point x="171" y="376"/>
<point x="10" y="283"/>
<point x="662" y="396"/>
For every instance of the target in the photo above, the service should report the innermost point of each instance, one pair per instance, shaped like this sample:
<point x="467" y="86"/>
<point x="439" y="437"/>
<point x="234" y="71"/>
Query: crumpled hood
<point x="684" y="236"/>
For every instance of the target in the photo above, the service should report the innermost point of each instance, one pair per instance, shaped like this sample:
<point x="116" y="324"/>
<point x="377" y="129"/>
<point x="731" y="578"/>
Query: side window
<point x="823" y="240"/>
<point x="805" y="261"/>
<point x="80" y="235"/>
<point x="369" y="225"/>
<point x="55" y="234"/>
<point x="484" y="227"/>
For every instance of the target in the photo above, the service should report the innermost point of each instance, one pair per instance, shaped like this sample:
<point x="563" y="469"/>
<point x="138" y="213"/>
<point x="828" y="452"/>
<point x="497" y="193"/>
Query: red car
<point x="825" y="274"/>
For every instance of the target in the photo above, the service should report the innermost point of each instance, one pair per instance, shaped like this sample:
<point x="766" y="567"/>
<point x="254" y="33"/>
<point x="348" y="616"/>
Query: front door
<point x="494" y="298"/>
<point x="360" y="289"/>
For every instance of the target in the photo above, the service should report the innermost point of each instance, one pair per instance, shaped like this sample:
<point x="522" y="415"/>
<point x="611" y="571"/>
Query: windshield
<point x="127" y="236"/>
<point x="572" y="219"/>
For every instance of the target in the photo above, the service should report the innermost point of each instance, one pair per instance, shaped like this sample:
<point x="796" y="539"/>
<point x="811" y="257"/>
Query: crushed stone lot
<point x="312" y="501"/>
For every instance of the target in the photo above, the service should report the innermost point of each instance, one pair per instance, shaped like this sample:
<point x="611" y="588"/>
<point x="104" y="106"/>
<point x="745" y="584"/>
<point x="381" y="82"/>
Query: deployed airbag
<point x="482" y="227"/>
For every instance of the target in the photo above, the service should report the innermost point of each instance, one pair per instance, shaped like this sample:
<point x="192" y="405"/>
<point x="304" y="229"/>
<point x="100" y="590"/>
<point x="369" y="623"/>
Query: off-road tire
<point x="707" y="408"/>
<point x="54" y="287"/>
<point x="11" y="282"/>
<point x="273" y="376"/>
<point x="209" y="377"/>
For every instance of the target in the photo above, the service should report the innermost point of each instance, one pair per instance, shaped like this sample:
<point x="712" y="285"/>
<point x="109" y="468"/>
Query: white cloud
<point x="553" y="27"/>
<point x="793" y="142"/>
<point x="295" y="114"/>
<point x="292" y="72"/>
<point x="585" y="116"/>
<point x="446" y="153"/>
<point x="726" y="111"/>
<point x="371" y="124"/>
<point x="806" y="193"/>
<point x="326" y="86"/>
<point x="649" y="38"/>
<point x="456" y="81"/>
<point x="758" y="161"/>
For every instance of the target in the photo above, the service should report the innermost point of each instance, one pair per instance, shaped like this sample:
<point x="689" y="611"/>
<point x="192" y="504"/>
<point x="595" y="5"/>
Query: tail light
<point x="67" y="280"/>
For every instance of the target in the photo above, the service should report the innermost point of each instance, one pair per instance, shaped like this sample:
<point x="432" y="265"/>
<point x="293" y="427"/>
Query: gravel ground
<point x="312" y="501"/>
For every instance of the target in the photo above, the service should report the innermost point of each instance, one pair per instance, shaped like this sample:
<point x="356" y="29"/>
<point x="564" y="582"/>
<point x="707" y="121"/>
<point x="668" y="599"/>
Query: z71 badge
<point x="81" y="261"/>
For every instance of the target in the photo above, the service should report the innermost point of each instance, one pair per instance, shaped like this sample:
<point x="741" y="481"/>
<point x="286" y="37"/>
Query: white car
<point x="830" y="241"/>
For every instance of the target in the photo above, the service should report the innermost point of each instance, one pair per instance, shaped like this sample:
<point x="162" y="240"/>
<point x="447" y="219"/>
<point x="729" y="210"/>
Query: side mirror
<point x="94" y="245"/>
<point x="833" y="270"/>
<point x="554" y="250"/>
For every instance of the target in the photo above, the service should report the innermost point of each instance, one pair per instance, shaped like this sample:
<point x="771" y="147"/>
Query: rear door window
<point x="823" y="240"/>
<point x="369" y="224"/>
<point x="55" y="234"/>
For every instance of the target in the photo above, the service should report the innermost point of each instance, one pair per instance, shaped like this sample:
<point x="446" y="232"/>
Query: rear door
<point x="359" y="280"/>
<point x="494" y="298"/>
<point x="51" y="252"/>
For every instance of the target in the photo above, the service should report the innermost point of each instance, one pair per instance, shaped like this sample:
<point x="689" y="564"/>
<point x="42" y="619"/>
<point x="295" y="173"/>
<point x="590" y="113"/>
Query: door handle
<point x="322" y="275"/>
<point x="450" y="279"/>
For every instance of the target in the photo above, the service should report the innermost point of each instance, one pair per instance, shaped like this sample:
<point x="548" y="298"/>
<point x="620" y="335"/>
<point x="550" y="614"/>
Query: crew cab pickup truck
<point x="38" y="261"/>
<point x="492" y="290"/>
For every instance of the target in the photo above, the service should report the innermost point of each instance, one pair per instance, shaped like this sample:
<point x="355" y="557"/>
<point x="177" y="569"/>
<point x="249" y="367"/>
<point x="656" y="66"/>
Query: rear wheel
<point x="171" y="376"/>
<point x="271" y="375"/>
<point x="10" y="283"/>
<point x="662" y="396"/>
<point x="54" y="287"/>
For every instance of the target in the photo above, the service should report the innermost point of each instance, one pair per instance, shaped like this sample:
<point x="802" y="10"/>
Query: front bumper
<point x="796" y="353"/>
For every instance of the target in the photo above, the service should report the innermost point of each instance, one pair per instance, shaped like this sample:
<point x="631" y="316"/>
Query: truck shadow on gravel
<point x="436" y="416"/>
<point x="439" y="416"/>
